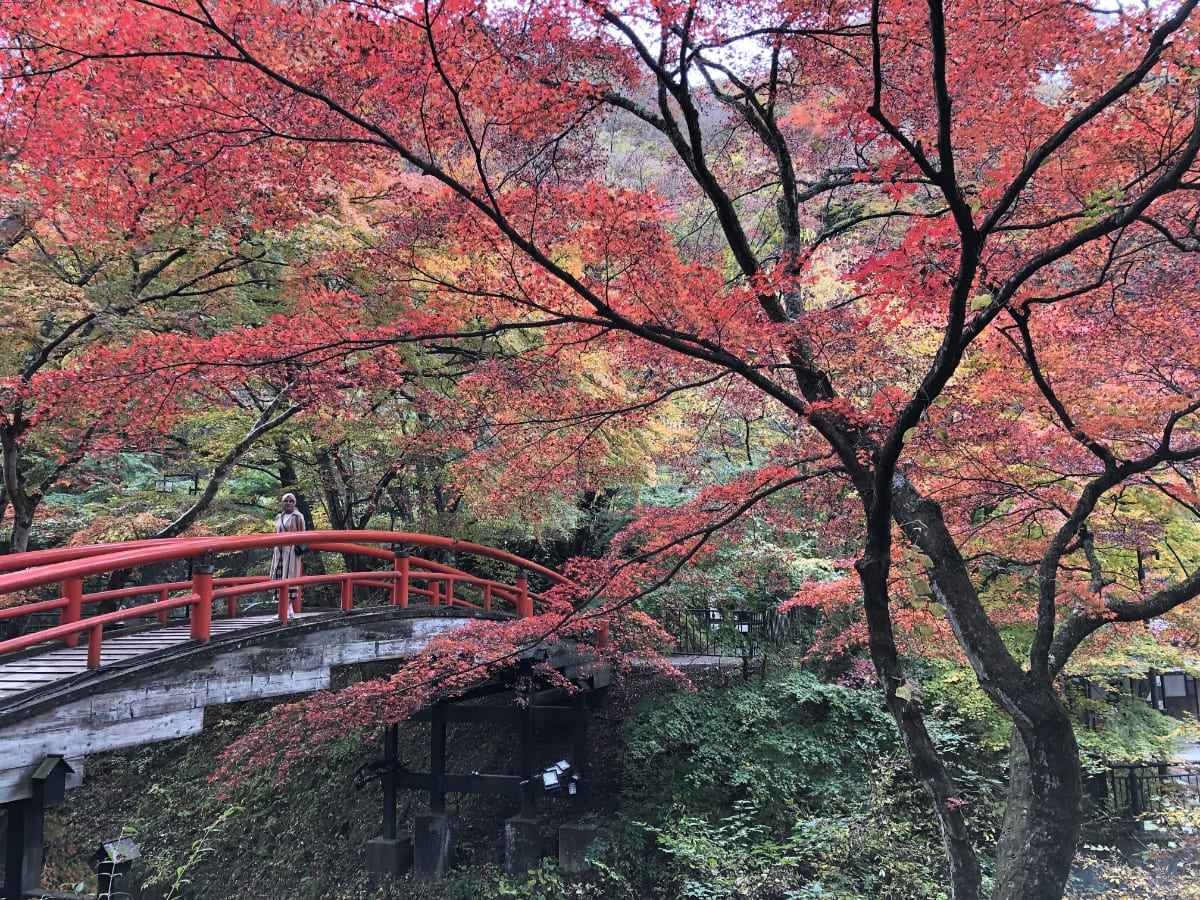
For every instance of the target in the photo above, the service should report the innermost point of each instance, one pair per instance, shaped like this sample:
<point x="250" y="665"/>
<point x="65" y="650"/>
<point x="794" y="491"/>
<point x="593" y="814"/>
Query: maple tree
<point x="951" y="245"/>
<point x="65" y="294"/>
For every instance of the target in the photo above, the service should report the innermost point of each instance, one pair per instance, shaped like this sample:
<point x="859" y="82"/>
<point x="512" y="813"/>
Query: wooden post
<point x="163" y="594"/>
<point x="93" y="656"/>
<point x="388" y="778"/>
<point x="400" y="585"/>
<point x="487" y="597"/>
<point x="71" y="613"/>
<point x="1135" y="793"/>
<point x="202" y="587"/>
<point x="348" y="594"/>
<point x="524" y="603"/>
<point x="437" y="759"/>
<point x="435" y="585"/>
<point x="24" y="849"/>
<point x="579" y="728"/>
<point x="529" y="786"/>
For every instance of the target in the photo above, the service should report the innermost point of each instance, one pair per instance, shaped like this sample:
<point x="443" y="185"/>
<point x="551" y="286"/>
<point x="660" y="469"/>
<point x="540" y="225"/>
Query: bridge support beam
<point x="24" y="851"/>
<point x="389" y="856"/>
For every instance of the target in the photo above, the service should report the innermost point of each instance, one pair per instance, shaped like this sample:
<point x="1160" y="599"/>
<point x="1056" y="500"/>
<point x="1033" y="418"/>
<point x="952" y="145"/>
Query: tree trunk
<point x="23" y="506"/>
<point x="23" y="502"/>
<point x="965" y="876"/>
<point x="1043" y="815"/>
<point x="1044" y="812"/>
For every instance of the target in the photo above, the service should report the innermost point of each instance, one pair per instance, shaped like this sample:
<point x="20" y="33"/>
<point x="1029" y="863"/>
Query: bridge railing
<point x="409" y="577"/>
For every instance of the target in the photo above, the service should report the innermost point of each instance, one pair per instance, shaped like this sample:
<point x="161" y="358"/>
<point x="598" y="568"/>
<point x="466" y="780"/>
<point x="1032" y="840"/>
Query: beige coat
<point x="285" y="561"/>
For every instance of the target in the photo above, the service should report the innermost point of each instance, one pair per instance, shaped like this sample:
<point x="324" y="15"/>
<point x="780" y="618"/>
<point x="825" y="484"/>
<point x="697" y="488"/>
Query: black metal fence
<point x="711" y="632"/>
<point x="1131" y="789"/>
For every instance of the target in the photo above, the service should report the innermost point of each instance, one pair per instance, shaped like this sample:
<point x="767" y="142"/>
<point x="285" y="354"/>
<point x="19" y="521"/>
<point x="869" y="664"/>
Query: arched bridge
<point x="79" y="684"/>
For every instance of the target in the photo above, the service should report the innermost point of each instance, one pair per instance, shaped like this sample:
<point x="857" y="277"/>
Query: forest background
<point x="884" y="311"/>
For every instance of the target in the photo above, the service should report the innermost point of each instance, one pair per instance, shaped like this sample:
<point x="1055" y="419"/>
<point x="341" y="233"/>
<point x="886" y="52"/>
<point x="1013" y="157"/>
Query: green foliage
<point x="1118" y="727"/>
<point x="790" y="742"/>
<point x="201" y="847"/>
<point x="735" y="857"/>
<point x="951" y="694"/>
<point x="788" y="789"/>
<point x="543" y="883"/>
<point x="844" y="857"/>
<point x="758" y="568"/>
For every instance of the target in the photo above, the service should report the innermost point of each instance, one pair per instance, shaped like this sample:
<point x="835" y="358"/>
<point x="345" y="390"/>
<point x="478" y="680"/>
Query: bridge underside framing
<point x="531" y="719"/>
<point x="159" y="698"/>
<point x="163" y="696"/>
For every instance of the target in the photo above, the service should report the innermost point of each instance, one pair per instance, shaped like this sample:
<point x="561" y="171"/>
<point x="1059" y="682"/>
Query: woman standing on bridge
<point x="285" y="559"/>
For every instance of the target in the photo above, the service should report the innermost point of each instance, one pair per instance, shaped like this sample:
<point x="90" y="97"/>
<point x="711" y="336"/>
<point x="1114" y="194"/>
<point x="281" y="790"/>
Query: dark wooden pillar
<point x="23" y="852"/>
<point x="24" y="849"/>
<point x="529" y="785"/>
<point x="437" y="759"/>
<point x="579" y="727"/>
<point x="387" y="778"/>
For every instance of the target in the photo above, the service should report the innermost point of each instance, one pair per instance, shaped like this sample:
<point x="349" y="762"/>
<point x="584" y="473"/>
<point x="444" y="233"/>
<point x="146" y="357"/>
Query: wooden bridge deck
<point x="30" y="672"/>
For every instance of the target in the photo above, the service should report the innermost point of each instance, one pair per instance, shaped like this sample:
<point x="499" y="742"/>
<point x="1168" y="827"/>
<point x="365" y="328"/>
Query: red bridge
<point x="69" y="687"/>
<point x="73" y="688"/>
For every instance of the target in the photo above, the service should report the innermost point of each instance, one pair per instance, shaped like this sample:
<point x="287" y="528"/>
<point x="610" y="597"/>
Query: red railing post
<point x="400" y="585"/>
<point x="231" y="605"/>
<point x="71" y="613"/>
<point x="93" y="656"/>
<point x="487" y="597"/>
<point x="448" y="596"/>
<point x="202" y="587"/>
<point x="435" y="588"/>
<point x="524" y="603"/>
<point x="296" y="598"/>
<point x="162" y="598"/>
<point x="348" y="593"/>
